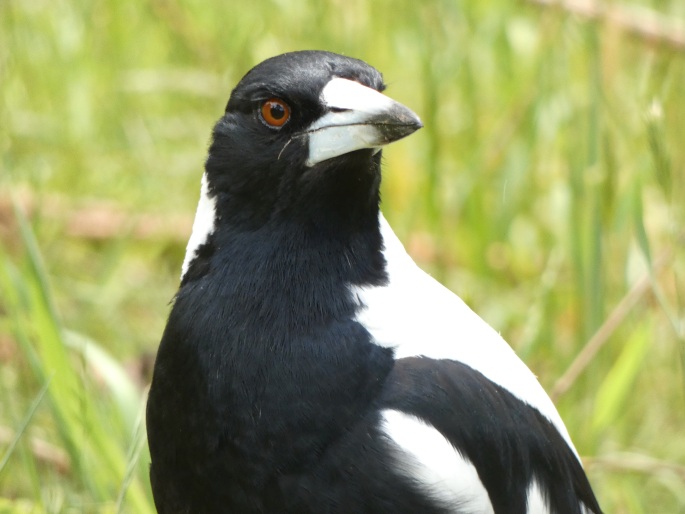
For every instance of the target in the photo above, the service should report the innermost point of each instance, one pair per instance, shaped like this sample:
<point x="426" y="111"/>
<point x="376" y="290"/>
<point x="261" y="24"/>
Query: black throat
<point x="320" y="221"/>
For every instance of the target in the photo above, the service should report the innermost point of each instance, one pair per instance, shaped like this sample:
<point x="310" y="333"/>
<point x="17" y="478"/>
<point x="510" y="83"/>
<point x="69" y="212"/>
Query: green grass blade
<point x="615" y="389"/>
<point x="21" y="429"/>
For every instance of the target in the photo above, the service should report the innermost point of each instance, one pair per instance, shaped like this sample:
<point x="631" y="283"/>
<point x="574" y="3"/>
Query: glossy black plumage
<point x="268" y="393"/>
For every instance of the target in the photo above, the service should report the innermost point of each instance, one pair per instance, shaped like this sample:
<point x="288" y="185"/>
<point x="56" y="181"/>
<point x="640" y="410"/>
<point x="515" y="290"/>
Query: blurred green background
<point x="547" y="189"/>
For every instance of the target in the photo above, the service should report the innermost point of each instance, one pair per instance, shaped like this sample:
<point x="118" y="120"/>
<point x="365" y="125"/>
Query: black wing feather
<point x="509" y="442"/>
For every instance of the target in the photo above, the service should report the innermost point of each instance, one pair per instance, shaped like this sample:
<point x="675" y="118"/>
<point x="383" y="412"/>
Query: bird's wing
<point x="443" y="438"/>
<point x="459" y="435"/>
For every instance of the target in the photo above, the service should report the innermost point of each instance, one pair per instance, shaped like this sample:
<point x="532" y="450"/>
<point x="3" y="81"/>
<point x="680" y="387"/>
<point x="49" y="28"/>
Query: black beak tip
<point x="409" y="120"/>
<point x="399" y="131"/>
<point x="412" y="122"/>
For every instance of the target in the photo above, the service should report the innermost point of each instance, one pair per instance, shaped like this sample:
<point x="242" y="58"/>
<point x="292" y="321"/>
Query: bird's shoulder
<point x="416" y="315"/>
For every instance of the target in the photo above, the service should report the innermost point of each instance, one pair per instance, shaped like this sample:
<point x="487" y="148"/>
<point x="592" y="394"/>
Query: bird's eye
<point x="275" y="112"/>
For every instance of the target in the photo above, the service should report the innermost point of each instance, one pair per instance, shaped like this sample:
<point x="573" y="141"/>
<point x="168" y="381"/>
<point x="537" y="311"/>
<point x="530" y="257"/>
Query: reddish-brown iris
<point x="275" y="112"/>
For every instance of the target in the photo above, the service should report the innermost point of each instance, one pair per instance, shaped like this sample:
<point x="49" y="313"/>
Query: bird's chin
<point x="360" y="167"/>
<point x="356" y="160"/>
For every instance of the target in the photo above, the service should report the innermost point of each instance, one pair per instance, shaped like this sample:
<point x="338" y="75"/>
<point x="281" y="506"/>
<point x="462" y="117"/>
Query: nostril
<point x="338" y="109"/>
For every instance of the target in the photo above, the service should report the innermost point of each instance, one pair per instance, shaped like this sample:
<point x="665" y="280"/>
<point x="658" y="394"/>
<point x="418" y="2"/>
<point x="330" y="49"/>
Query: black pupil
<point x="277" y="111"/>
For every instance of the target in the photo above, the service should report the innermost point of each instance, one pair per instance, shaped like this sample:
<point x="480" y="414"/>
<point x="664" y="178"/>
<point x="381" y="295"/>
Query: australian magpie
<point x="308" y="365"/>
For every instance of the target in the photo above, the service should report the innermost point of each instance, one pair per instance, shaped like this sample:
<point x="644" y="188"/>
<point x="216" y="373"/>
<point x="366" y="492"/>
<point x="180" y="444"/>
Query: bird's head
<point x="300" y="141"/>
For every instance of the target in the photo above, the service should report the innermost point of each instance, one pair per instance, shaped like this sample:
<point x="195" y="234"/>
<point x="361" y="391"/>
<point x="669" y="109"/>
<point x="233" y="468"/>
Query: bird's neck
<point x="285" y="279"/>
<point x="341" y="201"/>
<point x="330" y="243"/>
<point x="331" y="216"/>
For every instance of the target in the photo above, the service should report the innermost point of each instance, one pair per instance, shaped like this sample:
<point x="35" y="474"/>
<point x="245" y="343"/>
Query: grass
<point x="547" y="189"/>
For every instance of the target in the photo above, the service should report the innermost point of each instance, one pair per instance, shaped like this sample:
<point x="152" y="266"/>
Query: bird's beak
<point x="358" y="117"/>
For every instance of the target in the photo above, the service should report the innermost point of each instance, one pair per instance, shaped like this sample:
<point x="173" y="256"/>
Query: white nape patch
<point x="340" y="132"/>
<point x="424" y="455"/>
<point x="203" y="225"/>
<point x="417" y="315"/>
<point x="536" y="503"/>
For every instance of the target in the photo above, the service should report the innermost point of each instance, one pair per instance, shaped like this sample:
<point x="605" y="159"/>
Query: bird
<point x="308" y="365"/>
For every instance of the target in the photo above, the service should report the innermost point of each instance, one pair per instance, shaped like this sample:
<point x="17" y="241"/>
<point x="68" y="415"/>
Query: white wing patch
<point x="203" y="226"/>
<point x="424" y="455"/>
<point x="417" y="315"/>
<point x="536" y="500"/>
